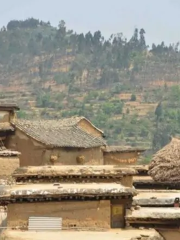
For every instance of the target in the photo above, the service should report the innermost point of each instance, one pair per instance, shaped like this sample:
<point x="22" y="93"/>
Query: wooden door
<point x="117" y="216"/>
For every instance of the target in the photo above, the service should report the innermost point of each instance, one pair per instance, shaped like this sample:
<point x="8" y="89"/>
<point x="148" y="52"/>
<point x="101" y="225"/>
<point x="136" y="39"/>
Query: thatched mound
<point x="165" y="166"/>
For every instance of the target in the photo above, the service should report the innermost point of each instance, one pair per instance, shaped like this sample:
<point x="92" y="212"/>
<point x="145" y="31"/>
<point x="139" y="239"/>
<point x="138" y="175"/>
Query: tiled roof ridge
<point x="71" y="121"/>
<point x="53" y="134"/>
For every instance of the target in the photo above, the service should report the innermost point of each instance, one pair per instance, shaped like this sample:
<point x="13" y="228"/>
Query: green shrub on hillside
<point x="133" y="97"/>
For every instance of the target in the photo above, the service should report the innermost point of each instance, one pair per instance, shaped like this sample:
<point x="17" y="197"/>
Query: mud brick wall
<point x="88" y="214"/>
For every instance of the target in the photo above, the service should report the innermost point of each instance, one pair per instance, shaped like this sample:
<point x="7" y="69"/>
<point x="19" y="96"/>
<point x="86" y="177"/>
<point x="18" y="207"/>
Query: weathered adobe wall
<point x="89" y="128"/>
<point x="127" y="181"/>
<point x="74" y="214"/>
<point x="170" y="234"/>
<point x="31" y="151"/>
<point x="34" y="153"/>
<point x="92" y="156"/>
<point x="116" y="158"/>
<point x="8" y="166"/>
<point x="4" y="116"/>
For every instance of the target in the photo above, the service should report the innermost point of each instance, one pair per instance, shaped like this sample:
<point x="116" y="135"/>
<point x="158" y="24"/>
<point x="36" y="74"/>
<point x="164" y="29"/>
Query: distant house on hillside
<point x="68" y="141"/>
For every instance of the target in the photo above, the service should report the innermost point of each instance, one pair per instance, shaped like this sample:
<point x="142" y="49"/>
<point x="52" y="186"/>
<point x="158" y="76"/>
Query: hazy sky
<point x="159" y="18"/>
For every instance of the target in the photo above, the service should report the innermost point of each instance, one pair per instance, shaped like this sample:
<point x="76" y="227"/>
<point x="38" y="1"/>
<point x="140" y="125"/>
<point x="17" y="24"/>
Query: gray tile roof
<point x="73" y="121"/>
<point x="59" y="133"/>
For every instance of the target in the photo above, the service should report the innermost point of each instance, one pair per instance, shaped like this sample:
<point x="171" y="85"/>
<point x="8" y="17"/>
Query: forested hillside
<point x="128" y="89"/>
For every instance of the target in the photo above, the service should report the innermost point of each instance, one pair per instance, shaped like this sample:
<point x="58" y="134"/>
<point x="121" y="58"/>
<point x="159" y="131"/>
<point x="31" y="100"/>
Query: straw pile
<point x="165" y="166"/>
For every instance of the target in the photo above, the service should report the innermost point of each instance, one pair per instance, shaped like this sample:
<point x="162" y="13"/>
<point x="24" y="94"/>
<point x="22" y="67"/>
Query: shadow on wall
<point x="170" y="234"/>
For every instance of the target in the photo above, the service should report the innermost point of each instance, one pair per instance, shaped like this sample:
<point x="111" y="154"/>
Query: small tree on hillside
<point x="127" y="111"/>
<point x="133" y="97"/>
<point x="158" y="111"/>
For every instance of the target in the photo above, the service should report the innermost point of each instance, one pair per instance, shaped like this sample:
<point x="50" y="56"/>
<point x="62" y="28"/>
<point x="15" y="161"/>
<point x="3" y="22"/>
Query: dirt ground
<point x="115" y="235"/>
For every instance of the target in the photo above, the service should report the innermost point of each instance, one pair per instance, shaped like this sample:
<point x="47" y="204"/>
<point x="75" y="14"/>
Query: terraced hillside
<point x="132" y="93"/>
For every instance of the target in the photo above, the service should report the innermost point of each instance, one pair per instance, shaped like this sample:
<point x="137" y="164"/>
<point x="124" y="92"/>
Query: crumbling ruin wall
<point x="88" y="214"/>
<point x="116" y="158"/>
<point x="34" y="153"/>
